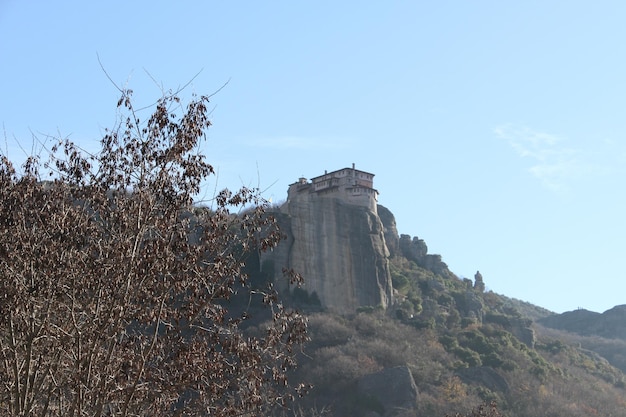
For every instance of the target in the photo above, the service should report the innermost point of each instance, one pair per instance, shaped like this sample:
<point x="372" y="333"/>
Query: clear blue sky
<point x="496" y="129"/>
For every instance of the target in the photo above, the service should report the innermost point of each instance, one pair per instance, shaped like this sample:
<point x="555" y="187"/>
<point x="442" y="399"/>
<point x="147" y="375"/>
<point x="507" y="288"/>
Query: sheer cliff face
<point x="339" y="249"/>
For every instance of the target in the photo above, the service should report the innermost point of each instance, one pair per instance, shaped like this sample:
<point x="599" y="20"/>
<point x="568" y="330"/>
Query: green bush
<point x="399" y="281"/>
<point x="468" y="356"/>
<point x="492" y="359"/>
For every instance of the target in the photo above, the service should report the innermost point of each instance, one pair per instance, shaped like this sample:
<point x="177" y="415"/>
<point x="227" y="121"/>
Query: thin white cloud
<point x="527" y="142"/>
<point x="552" y="162"/>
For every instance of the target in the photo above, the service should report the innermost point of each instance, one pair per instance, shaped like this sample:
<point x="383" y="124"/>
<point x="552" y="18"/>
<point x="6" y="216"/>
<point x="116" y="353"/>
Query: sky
<point x="495" y="129"/>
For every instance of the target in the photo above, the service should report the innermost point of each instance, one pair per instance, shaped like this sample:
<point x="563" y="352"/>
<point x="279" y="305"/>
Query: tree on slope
<point x="483" y="410"/>
<point x="114" y="291"/>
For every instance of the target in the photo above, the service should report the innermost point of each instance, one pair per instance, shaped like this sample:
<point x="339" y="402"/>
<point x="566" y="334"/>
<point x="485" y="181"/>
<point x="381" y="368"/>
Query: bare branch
<point x="121" y="298"/>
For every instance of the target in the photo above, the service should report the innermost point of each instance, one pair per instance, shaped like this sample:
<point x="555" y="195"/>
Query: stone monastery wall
<point x="350" y="185"/>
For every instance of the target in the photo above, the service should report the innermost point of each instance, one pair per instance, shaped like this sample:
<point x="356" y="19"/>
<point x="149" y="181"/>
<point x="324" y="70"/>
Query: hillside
<point x="610" y="324"/>
<point x="445" y="345"/>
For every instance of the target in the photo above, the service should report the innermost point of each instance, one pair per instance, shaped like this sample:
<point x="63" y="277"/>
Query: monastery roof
<point x="339" y="170"/>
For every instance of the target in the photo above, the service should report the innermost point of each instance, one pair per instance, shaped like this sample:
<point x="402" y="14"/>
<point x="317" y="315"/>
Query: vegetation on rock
<point x="463" y="347"/>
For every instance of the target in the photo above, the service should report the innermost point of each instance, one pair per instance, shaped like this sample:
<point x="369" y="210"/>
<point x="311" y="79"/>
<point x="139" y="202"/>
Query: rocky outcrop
<point x="390" y="230"/>
<point x="338" y="247"/>
<point x="393" y="389"/>
<point x="479" y="284"/>
<point x="415" y="250"/>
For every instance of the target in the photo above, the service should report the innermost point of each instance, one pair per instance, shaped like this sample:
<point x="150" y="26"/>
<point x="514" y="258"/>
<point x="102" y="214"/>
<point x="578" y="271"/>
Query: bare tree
<point x="114" y="291"/>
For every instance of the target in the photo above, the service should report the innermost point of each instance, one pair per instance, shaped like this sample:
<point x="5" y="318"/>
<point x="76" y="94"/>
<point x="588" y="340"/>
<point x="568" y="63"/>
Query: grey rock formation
<point x="479" y="284"/>
<point x="393" y="388"/>
<point x="390" y="230"/>
<point x="416" y="250"/>
<point x="337" y="246"/>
